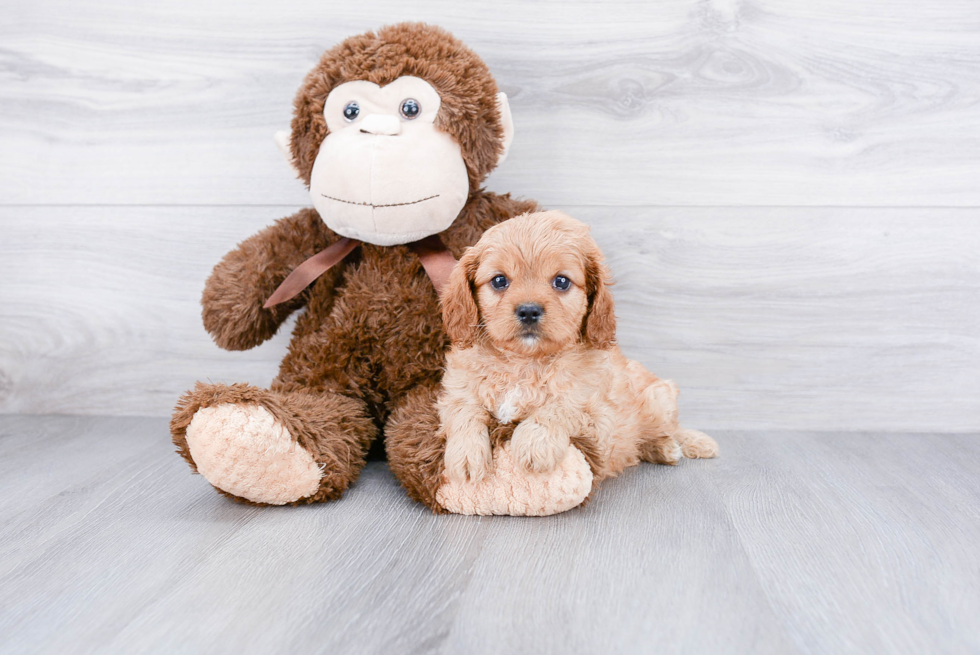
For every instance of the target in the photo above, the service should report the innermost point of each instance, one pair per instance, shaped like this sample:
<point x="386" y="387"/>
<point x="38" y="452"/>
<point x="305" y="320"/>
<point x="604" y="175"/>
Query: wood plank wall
<point x="787" y="192"/>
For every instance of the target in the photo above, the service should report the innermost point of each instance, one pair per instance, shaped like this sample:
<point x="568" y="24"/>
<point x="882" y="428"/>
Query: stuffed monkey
<point x="393" y="134"/>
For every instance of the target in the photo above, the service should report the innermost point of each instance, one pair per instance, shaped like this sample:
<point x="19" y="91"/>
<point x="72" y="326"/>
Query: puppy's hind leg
<point x="696" y="445"/>
<point x="661" y="450"/>
<point x="660" y="398"/>
<point x="661" y="401"/>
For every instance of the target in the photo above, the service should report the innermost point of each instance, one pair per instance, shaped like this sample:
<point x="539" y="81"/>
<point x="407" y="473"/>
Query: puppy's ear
<point x="599" y="325"/>
<point x="459" y="310"/>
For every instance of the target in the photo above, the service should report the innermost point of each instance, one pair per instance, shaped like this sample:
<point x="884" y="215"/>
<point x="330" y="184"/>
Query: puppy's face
<point x="533" y="285"/>
<point x="531" y="296"/>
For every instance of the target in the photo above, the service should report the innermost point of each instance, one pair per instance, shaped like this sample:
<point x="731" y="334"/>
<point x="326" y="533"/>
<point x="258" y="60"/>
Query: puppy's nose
<point x="529" y="313"/>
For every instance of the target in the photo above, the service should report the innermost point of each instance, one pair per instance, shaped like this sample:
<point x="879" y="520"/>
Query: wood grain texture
<point x="791" y="542"/>
<point x="682" y="102"/>
<point x="103" y="307"/>
<point x="787" y="193"/>
<point x="854" y="520"/>
<point x="849" y="319"/>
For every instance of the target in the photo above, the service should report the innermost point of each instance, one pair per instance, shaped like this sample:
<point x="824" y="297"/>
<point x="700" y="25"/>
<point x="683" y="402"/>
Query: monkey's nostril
<point x="529" y="313"/>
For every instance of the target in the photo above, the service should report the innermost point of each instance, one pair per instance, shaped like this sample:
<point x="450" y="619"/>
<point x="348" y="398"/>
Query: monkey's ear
<point x="282" y="138"/>
<point x="459" y="311"/>
<point x="599" y="325"/>
<point x="507" y="122"/>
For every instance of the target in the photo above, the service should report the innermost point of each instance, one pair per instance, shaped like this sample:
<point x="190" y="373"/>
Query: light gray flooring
<point x="791" y="542"/>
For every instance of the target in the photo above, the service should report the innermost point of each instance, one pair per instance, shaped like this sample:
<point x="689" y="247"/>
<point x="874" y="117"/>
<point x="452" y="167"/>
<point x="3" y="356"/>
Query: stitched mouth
<point x="367" y="204"/>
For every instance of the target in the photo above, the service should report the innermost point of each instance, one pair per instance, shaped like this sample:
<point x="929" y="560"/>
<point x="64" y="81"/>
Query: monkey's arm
<point x="245" y="278"/>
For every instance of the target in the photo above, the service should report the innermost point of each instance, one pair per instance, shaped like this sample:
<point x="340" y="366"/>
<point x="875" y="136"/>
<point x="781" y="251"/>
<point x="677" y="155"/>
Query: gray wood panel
<point x="818" y="318"/>
<point x="103" y="307"/>
<point x="686" y="102"/>
<point x="853" y="551"/>
<point x="791" y="542"/>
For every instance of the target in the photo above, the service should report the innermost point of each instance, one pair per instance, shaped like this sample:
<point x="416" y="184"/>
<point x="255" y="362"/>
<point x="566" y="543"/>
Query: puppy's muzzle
<point x="529" y="314"/>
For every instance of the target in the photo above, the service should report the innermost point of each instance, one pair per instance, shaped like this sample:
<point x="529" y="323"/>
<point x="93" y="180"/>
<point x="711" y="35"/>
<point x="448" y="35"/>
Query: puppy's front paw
<point x="468" y="457"/>
<point x="538" y="449"/>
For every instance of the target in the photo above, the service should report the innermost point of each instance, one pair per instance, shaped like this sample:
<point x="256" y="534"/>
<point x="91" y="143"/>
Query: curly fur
<point x="561" y="378"/>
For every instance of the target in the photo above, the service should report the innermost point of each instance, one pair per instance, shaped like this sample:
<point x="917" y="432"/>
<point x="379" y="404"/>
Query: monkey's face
<point x="385" y="174"/>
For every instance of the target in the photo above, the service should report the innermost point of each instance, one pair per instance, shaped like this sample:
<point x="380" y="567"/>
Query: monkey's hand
<point x="246" y="277"/>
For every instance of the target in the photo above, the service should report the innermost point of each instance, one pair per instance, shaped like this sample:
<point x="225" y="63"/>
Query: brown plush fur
<point x="371" y="340"/>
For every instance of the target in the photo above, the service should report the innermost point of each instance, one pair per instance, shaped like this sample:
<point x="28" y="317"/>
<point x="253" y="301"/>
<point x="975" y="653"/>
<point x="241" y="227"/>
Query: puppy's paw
<point x="663" y="450"/>
<point x="696" y="445"/>
<point x="468" y="457"/>
<point x="538" y="449"/>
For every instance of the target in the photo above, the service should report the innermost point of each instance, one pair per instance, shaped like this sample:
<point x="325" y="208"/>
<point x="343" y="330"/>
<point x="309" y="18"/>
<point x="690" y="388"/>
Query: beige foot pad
<point x="512" y="490"/>
<point x="243" y="450"/>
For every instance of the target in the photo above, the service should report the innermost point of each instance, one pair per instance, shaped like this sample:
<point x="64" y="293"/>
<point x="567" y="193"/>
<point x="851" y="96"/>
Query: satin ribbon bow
<point x="433" y="254"/>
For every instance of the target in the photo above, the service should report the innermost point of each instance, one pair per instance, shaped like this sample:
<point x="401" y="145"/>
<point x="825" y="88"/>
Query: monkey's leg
<point x="415" y="445"/>
<point x="272" y="448"/>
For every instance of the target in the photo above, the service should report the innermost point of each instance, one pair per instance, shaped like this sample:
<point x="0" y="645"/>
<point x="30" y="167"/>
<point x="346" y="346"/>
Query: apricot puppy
<point x="531" y="319"/>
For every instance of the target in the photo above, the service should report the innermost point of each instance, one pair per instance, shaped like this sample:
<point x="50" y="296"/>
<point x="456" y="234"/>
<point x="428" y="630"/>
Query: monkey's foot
<point x="242" y="450"/>
<point x="511" y="489"/>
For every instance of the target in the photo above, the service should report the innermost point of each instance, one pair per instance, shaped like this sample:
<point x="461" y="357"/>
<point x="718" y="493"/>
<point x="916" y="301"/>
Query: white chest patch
<point x="509" y="408"/>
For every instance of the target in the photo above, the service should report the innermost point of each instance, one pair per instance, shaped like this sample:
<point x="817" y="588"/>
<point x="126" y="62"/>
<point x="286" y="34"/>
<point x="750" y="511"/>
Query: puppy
<point x="531" y="319"/>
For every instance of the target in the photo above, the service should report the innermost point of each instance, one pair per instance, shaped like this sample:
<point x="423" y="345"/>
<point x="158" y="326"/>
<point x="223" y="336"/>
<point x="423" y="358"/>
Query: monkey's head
<point x="392" y="130"/>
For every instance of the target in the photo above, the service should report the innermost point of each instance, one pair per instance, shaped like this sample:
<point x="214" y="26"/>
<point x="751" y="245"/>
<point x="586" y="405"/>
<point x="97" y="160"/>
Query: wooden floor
<point x="789" y="543"/>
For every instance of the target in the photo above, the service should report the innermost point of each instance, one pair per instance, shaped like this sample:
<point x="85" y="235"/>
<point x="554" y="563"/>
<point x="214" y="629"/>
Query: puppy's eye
<point x="351" y="111"/>
<point x="499" y="282"/>
<point x="561" y="283"/>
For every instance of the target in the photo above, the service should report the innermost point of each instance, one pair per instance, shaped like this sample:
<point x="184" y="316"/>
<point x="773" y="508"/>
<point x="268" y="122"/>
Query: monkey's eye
<point x="499" y="282"/>
<point x="410" y="108"/>
<point x="561" y="283"/>
<point x="351" y="111"/>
